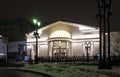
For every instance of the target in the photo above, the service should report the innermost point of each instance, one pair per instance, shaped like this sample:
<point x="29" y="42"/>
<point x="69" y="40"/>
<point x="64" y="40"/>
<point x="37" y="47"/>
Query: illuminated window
<point x="60" y="33"/>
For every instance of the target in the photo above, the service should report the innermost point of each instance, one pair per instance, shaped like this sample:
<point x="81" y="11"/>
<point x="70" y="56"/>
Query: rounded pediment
<point x="60" y="33"/>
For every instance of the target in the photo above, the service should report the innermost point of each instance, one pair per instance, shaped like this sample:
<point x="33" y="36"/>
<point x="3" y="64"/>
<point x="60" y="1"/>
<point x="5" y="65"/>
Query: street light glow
<point x="38" y="23"/>
<point x="34" y="21"/>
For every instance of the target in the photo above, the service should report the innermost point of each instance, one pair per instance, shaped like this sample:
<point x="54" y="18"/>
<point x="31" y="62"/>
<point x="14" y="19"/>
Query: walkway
<point x="14" y="73"/>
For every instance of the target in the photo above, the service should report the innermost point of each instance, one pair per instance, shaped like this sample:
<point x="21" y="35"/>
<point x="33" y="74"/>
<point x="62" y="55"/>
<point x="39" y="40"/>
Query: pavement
<point x="13" y="68"/>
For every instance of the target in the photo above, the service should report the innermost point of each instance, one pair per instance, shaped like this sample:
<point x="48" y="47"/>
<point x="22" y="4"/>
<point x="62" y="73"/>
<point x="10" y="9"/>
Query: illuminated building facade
<point x="64" y="39"/>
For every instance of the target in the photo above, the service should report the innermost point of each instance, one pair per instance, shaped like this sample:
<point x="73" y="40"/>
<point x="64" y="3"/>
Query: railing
<point x="115" y="60"/>
<point x="71" y="59"/>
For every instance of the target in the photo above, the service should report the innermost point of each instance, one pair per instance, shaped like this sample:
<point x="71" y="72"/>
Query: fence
<point x="2" y="60"/>
<point x="71" y="59"/>
<point x="115" y="60"/>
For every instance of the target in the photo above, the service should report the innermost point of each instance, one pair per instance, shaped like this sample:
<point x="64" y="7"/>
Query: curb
<point x="35" y="72"/>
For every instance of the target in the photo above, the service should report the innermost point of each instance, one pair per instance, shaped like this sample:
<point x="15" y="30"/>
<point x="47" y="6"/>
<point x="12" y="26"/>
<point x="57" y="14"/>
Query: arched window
<point x="60" y="33"/>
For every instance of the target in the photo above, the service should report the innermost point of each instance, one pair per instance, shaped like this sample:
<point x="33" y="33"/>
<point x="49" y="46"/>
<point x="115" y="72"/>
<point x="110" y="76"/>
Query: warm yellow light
<point x="60" y="33"/>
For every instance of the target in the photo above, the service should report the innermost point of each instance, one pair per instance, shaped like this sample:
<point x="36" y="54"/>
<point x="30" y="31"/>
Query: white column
<point x="84" y="51"/>
<point x="91" y="52"/>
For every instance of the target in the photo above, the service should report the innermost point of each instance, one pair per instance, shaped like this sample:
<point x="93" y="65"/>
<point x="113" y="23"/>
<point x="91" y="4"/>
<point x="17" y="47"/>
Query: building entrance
<point x="59" y="43"/>
<point x="59" y="52"/>
<point x="60" y="47"/>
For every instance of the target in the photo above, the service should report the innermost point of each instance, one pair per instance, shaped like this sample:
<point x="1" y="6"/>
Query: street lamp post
<point x="87" y="44"/>
<point x="36" y="34"/>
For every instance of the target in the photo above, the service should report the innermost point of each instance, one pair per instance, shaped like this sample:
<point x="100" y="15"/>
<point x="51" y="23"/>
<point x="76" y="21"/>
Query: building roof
<point x="79" y="26"/>
<point x="75" y="30"/>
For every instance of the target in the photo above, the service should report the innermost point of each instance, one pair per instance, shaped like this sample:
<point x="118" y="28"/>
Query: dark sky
<point x="77" y="11"/>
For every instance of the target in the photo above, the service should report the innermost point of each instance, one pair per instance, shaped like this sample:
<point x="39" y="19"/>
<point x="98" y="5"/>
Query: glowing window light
<point x="60" y="33"/>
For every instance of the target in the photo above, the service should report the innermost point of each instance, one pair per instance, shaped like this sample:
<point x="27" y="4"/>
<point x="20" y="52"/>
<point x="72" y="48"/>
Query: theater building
<point x="64" y="39"/>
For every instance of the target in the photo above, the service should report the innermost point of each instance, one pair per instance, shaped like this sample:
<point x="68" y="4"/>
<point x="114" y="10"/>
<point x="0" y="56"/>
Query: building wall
<point x="43" y="50"/>
<point x="77" y="49"/>
<point x="78" y="34"/>
<point x="13" y="46"/>
<point x="95" y="47"/>
<point x="50" y="45"/>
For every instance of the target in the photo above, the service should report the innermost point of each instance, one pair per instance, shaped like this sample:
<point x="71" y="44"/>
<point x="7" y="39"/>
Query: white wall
<point x="77" y="49"/>
<point x="43" y="51"/>
<point x="95" y="47"/>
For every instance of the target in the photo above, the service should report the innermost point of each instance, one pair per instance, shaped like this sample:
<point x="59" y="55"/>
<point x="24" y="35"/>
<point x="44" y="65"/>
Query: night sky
<point x="77" y="11"/>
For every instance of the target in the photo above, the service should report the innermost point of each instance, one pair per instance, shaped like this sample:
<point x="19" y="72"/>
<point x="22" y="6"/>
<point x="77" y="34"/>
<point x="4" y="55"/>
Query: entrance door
<point x="60" y="52"/>
<point x="61" y="48"/>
